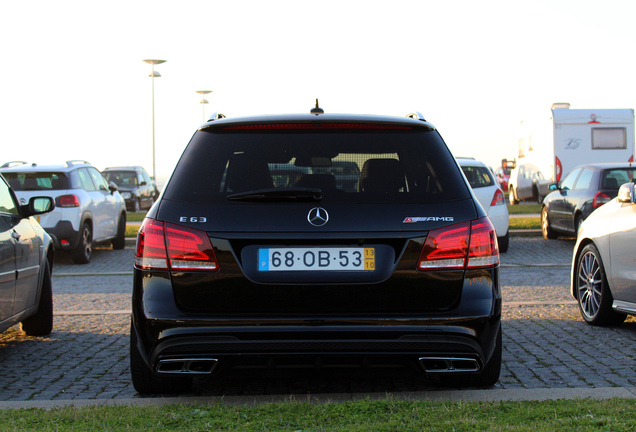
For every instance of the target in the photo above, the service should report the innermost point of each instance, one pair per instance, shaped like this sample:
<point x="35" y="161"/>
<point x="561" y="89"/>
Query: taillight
<point x="164" y="246"/>
<point x="465" y="245"/>
<point x="498" y="198"/>
<point x="599" y="199"/>
<point x="67" y="201"/>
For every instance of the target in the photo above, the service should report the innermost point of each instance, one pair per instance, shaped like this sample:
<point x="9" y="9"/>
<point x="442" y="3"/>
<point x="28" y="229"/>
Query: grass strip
<point x="521" y="223"/>
<point x="525" y="209"/>
<point x="366" y="415"/>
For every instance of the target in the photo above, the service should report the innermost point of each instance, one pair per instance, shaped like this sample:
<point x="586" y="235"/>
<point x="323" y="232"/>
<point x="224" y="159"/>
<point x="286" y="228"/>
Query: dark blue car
<point x="583" y="190"/>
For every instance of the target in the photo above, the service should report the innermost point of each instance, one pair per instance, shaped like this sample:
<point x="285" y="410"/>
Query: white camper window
<point x="608" y="138"/>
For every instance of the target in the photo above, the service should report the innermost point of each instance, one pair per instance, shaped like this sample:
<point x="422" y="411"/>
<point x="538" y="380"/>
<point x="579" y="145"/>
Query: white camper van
<point x="579" y="136"/>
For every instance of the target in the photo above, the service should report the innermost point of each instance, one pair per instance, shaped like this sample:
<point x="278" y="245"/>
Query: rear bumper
<point x="168" y="335"/>
<point x="64" y="236"/>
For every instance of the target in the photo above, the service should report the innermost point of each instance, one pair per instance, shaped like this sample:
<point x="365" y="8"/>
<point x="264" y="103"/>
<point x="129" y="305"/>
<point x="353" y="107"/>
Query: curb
<point x="526" y="233"/>
<point x="482" y="395"/>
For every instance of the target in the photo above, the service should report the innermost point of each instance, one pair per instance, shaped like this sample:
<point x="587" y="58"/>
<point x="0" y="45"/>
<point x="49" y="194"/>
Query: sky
<point x="73" y="84"/>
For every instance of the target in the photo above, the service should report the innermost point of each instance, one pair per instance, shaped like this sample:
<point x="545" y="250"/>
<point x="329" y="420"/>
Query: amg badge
<point x="429" y="219"/>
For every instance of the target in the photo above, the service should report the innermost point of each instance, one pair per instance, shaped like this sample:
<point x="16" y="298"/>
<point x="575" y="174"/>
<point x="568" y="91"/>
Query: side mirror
<point x="37" y="205"/>
<point x="143" y="183"/>
<point x="112" y="187"/>
<point x="626" y="193"/>
<point x="553" y="187"/>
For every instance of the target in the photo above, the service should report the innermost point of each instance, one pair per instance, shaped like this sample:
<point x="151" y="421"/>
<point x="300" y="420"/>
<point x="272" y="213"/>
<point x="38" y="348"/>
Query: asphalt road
<point x="549" y="351"/>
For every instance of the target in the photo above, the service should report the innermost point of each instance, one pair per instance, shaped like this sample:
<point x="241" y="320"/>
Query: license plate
<point x="317" y="259"/>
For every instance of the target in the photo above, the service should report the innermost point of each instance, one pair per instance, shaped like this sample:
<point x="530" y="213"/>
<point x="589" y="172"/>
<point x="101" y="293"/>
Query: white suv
<point x="87" y="208"/>
<point x="489" y="195"/>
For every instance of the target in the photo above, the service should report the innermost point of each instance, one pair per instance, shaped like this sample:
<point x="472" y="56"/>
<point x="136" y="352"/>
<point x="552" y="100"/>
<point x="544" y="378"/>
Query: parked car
<point x="582" y="191"/>
<point x="232" y="272"/>
<point x="87" y="210"/>
<point x="26" y="261"/>
<point x="502" y="173"/>
<point x="527" y="183"/>
<point x="135" y="185"/>
<point x="503" y="177"/>
<point x="490" y="196"/>
<point x="603" y="279"/>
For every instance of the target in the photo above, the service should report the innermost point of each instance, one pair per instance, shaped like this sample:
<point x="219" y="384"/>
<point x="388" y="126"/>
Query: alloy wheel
<point x="590" y="284"/>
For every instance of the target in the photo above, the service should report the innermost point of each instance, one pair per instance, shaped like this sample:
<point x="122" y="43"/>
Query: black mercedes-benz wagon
<point x="320" y="241"/>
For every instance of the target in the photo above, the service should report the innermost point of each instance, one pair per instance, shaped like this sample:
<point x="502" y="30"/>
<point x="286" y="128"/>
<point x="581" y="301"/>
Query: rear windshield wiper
<point x="279" y="194"/>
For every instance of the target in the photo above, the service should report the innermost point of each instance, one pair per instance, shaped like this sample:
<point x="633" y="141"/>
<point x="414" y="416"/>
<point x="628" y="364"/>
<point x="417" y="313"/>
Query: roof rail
<point x="216" y="116"/>
<point x="70" y="163"/>
<point x="13" y="163"/>
<point x="416" y="115"/>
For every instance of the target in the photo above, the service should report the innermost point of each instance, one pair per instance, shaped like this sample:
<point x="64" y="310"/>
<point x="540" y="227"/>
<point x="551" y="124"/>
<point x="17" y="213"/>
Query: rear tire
<point x="145" y="381"/>
<point x="504" y="242"/>
<point x="546" y="228"/>
<point x="119" y="242"/>
<point x="578" y="221"/>
<point x="41" y="324"/>
<point x="83" y="253"/>
<point x="512" y="196"/>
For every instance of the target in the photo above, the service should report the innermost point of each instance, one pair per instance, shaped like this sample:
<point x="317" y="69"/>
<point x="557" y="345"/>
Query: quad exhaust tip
<point x="187" y="366"/>
<point x="449" y="364"/>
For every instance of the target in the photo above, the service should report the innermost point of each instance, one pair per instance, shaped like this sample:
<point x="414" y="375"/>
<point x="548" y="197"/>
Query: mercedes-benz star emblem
<point x="318" y="216"/>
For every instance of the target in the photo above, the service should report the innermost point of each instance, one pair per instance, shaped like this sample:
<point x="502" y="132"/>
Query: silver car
<point x="603" y="280"/>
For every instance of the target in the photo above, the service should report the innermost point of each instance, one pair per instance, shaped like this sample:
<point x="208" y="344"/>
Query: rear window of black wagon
<point x="368" y="166"/>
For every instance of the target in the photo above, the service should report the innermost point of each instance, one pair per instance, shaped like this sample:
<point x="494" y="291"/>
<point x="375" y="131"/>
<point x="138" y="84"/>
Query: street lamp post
<point x="203" y="101"/>
<point x="153" y="75"/>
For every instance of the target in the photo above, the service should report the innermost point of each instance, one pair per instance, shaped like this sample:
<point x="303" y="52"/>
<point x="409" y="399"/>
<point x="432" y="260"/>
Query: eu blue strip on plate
<point x="263" y="259"/>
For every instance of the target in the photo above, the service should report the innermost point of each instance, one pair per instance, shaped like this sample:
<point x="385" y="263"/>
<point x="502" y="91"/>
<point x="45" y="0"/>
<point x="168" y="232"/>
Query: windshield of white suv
<point x="344" y="166"/>
<point x="20" y="181"/>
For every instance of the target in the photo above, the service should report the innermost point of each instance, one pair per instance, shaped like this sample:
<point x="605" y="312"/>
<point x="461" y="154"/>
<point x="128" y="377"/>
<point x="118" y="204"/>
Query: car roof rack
<point x="416" y="115"/>
<point x="70" y="163"/>
<point x="217" y="116"/>
<point x="13" y="163"/>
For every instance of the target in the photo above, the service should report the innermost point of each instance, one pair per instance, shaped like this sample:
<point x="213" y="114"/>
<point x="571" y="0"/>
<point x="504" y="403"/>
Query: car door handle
<point x="16" y="235"/>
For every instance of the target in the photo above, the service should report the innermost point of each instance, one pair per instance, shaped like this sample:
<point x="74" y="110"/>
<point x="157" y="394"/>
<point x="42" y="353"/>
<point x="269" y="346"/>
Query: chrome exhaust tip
<point x="187" y="366"/>
<point x="449" y="364"/>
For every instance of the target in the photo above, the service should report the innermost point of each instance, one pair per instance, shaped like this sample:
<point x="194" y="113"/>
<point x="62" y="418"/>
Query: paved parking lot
<point x="546" y="343"/>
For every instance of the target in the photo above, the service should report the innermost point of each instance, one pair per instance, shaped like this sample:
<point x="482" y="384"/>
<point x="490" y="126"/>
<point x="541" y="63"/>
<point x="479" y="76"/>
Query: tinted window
<point x="404" y="166"/>
<point x="478" y="176"/>
<point x="614" y="178"/>
<point x="584" y="180"/>
<point x="37" y="181"/>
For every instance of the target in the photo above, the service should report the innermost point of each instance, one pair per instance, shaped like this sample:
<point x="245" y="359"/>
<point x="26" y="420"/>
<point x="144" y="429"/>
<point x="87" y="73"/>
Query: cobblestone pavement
<point x="546" y="343"/>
